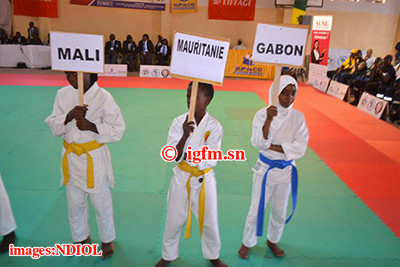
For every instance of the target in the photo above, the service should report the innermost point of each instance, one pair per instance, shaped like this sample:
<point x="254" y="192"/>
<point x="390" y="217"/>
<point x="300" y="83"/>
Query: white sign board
<point x="322" y="23"/>
<point x="337" y="89"/>
<point x="115" y="70"/>
<point x="155" y="71"/>
<point x="77" y="52"/>
<point x="372" y="105"/>
<point x="320" y="83"/>
<point x="199" y="58"/>
<point x="282" y="45"/>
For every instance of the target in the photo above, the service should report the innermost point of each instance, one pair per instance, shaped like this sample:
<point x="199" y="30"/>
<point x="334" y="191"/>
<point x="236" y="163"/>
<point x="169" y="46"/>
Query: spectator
<point x="146" y="50"/>
<point x="32" y="30"/>
<point x="316" y="57"/>
<point x="371" y="76"/>
<point x="4" y="37"/>
<point x="391" y="90"/>
<point x="239" y="45"/>
<point x="369" y="59"/>
<point x="129" y="50"/>
<point x="397" y="54"/>
<point x="48" y="40"/>
<point x="163" y="53"/>
<point x="35" y="40"/>
<point x="343" y="73"/>
<point x="112" y="50"/>
<point x="18" y="39"/>
<point x="388" y="76"/>
<point x="159" y="42"/>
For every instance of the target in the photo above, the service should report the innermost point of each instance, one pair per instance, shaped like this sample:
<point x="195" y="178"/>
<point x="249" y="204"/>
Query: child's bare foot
<point x="244" y="252"/>
<point x="108" y="250"/>
<point x="86" y="241"/>
<point x="162" y="263"/>
<point x="275" y="249"/>
<point x="218" y="263"/>
<point x="7" y="240"/>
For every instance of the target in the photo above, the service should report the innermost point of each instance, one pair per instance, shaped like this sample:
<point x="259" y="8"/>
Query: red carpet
<point x="363" y="151"/>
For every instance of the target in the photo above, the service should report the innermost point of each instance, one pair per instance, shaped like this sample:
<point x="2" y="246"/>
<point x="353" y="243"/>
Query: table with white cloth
<point x="34" y="56"/>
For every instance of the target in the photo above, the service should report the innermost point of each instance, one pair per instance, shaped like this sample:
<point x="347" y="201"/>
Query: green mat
<point x="331" y="226"/>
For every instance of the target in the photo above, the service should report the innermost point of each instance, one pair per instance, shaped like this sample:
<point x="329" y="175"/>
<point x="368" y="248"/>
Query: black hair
<point x="206" y="88"/>
<point x="388" y="58"/>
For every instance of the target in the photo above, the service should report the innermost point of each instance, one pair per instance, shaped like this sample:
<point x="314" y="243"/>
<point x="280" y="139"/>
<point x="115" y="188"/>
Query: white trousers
<point x="177" y="216"/>
<point x="7" y="221"/>
<point x="278" y="196"/>
<point x="79" y="216"/>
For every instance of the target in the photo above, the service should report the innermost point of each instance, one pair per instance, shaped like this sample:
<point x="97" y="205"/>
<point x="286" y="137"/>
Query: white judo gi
<point x="289" y="130"/>
<point x="106" y="114"/>
<point x="209" y="132"/>
<point x="7" y="221"/>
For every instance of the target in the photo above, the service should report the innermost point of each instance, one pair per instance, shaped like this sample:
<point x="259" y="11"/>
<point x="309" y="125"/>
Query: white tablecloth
<point x="34" y="56"/>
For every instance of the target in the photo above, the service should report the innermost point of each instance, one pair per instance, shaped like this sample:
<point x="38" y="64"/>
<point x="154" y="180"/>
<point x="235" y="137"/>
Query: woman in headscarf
<point x="281" y="135"/>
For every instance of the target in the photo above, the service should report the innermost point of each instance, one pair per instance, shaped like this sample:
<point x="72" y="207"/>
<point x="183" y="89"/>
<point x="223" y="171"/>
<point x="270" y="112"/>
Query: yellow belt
<point x="194" y="171"/>
<point x="79" y="149"/>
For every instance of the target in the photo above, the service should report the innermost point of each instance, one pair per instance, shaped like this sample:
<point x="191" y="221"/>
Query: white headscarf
<point x="283" y="113"/>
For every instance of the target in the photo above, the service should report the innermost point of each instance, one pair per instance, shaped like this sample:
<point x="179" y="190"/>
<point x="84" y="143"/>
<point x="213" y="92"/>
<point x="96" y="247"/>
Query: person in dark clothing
<point x="146" y="50"/>
<point x="163" y="53"/>
<point x="112" y="50"/>
<point x="129" y="50"/>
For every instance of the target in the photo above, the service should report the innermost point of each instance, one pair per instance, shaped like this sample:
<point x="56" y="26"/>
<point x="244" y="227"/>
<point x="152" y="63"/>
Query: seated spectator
<point x="347" y="66"/>
<point x="159" y="42"/>
<point x="391" y="90"/>
<point x="369" y="59"/>
<point x="239" y="45"/>
<point x="31" y="31"/>
<point x="385" y="76"/>
<point x="48" y="40"/>
<point x="129" y="50"/>
<point x="146" y="50"/>
<point x="18" y="39"/>
<point x="397" y="54"/>
<point x="112" y="50"/>
<point x="394" y="108"/>
<point x="357" y="87"/>
<point x="4" y="37"/>
<point x="163" y="53"/>
<point x="35" y="40"/>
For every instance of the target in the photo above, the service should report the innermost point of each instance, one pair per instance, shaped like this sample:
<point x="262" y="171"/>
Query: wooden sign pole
<point x="275" y="88"/>
<point x="80" y="87"/>
<point x="193" y="98"/>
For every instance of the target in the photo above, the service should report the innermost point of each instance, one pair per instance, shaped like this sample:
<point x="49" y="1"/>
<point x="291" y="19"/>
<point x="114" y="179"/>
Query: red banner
<point x="231" y="9"/>
<point x="36" y="8"/>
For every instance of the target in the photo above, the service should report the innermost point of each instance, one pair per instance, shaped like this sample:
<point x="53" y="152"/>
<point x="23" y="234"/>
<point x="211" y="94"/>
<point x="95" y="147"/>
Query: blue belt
<point x="280" y="164"/>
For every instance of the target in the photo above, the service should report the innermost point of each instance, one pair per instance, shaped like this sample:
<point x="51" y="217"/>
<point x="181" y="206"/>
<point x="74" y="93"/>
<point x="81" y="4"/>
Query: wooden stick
<point x="275" y="88"/>
<point x="80" y="87"/>
<point x="193" y="98"/>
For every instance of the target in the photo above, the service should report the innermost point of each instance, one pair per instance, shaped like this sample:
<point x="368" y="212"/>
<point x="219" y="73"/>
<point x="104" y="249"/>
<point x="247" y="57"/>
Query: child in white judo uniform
<point x="281" y="135"/>
<point x="193" y="186"/>
<point x="86" y="161"/>
<point x="7" y="221"/>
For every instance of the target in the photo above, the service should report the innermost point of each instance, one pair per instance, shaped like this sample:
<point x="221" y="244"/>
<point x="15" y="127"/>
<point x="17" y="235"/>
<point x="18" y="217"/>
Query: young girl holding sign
<point x="281" y="135"/>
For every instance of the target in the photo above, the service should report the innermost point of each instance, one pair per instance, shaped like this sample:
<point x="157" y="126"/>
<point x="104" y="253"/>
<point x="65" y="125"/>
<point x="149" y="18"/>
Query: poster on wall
<point x="231" y="9"/>
<point x="240" y="64"/>
<point x="134" y="4"/>
<point x="183" y="6"/>
<point x="34" y="8"/>
<point x="320" y="36"/>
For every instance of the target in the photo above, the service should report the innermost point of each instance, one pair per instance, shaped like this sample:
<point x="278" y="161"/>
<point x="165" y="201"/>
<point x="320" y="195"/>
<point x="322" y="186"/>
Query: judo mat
<point x="348" y="204"/>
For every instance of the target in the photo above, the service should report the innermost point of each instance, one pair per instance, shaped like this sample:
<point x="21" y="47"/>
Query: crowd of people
<point x="18" y="38"/>
<point x="376" y="76"/>
<point x="144" y="53"/>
